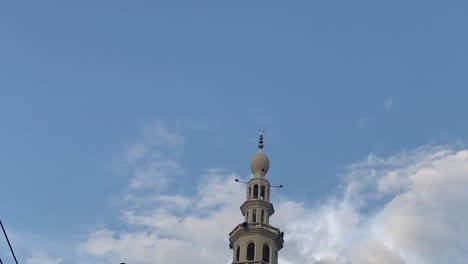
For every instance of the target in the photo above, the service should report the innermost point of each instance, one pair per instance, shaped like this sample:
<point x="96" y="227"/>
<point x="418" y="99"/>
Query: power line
<point x="11" y="249"/>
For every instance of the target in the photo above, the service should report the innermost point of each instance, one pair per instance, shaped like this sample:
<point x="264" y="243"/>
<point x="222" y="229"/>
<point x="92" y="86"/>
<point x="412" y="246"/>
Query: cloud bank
<point x="405" y="208"/>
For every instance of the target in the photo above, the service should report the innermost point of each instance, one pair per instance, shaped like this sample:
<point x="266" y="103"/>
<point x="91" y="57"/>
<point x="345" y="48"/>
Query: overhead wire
<point x="9" y="244"/>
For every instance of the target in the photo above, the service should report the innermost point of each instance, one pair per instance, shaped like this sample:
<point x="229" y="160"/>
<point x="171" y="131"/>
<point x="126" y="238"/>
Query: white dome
<point x="260" y="164"/>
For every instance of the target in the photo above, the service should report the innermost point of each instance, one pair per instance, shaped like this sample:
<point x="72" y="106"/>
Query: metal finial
<point x="260" y="139"/>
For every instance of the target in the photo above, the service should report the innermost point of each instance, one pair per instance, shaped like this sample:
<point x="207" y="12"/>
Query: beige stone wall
<point x="259" y="242"/>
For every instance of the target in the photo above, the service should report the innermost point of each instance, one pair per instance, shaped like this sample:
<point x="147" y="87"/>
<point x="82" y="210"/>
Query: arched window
<point x="254" y="215"/>
<point x="262" y="193"/>
<point x="238" y="253"/>
<point x="247" y="216"/>
<point x="255" y="196"/>
<point x="266" y="253"/>
<point x="262" y="217"/>
<point x="251" y="251"/>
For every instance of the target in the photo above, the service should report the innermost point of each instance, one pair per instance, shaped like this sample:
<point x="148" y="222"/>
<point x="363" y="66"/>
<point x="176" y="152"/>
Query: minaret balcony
<point x="260" y="229"/>
<point x="257" y="203"/>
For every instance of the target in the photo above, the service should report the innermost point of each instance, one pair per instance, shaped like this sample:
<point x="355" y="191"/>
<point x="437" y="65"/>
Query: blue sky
<point x="332" y="82"/>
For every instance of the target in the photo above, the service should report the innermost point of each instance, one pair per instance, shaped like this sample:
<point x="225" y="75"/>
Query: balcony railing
<point x="257" y="225"/>
<point x="250" y="262"/>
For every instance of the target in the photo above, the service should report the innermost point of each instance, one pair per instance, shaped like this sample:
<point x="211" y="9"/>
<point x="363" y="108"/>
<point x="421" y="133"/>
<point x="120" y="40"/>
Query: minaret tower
<point x="255" y="241"/>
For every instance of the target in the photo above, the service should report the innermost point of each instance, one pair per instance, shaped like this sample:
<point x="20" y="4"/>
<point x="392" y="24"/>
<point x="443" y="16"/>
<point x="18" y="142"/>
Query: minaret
<point x="255" y="241"/>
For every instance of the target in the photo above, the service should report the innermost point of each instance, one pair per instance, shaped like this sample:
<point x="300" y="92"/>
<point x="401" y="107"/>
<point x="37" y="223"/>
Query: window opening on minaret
<point x="238" y="253"/>
<point x="266" y="253"/>
<point x="262" y="193"/>
<point x="250" y="192"/>
<point x="254" y="215"/>
<point x="251" y="251"/>
<point x="255" y="195"/>
<point x="262" y="217"/>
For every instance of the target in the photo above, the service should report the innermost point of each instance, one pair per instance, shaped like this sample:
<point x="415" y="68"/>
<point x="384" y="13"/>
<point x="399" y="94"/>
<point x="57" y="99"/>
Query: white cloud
<point x="388" y="104"/>
<point x="406" y="208"/>
<point x="401" y="209"/>
<point x="41" y="258"/>
<point x="169" y="233"/>
<point x="152" y="160"/>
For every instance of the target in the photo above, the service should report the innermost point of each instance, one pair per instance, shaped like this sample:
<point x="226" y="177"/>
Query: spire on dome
<point x="259" y="165"/>
<point x="260" y="139"/>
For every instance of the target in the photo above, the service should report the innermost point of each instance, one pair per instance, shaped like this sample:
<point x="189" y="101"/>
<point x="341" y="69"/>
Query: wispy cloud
<point x="41" y="258"/>
<point x="151" y="161"/>
<point x="366" y="119"/>
<point x="388" y="104"/>
<point x="361" y="123"/>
